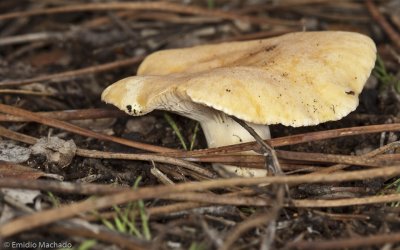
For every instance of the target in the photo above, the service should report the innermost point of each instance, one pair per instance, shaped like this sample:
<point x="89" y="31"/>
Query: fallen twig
<point x="254" y="221"/>
<point x="252" y="161"/>
<point x="24" y="92"/>
<point x="345" y="202"/>
<point x="272" y="162"/>
<point x="67" y="115"/>
<point x="275" y="142"/>
<point x="45" y="217"/>
<point x="74" y="73"/>
<point x="375" y="13"/>
<point x="111" y="155"/>
<point x="299" y="158"/>
<point x="372" y="154"/>
<point x="290" y="140"/>
<point x="162" y="6"/>
<point x="78" y="130"/>
<point x="352" y="242"/>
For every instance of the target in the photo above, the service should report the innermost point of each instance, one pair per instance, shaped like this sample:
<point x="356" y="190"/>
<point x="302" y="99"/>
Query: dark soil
<point x="79" y="39"/>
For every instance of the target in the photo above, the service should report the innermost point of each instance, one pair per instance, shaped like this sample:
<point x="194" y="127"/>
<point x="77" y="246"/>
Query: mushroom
<point x="297" y="79"/>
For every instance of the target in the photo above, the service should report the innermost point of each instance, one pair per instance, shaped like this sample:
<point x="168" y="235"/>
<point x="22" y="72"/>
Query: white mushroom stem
<point x="221" y="130"/>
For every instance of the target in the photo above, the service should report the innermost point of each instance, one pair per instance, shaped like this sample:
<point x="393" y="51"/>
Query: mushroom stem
<point x="221" y="130"/>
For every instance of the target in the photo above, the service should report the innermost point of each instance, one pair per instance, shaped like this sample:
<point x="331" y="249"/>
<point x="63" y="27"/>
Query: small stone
<point x="56" y="150"/>
<point x="10" y="152"/>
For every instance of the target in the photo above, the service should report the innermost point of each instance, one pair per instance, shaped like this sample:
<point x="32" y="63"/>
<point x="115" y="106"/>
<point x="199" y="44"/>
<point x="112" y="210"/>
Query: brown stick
<point x="74" y="73"/>
<point x="353" y="242"/>
<point x="113" y="237"/>
<point x="254" y="221"/>
<point x="346" y="202"/>
<point x="98" y="189"/>
<point x="111" y="155"/>
<point x="78" y="130"/>
<point x="299" y="157"/>
<point x="376" y="14"/>
<point x="255" y="161"/>
<point x="275" y="142"/>
<point x="162" y="6"/>
<point x="146" y="157"/>
<point x="292" y="140"/>
<point x="67" y="115"/>
<point x="45" y="217"/>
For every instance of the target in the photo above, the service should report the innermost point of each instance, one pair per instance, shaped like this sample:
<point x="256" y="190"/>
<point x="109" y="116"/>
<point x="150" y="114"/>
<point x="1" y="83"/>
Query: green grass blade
<point x="145" y="220"/>
<point x="108" y="224"/>
<point x="384" y="77"/>
<point x="210" y="4"/>
<point x="119" y="224"/>
<point x="142" y="212"/>
<point x="87" y="245"/>
<point x="54" y="200"/>
<point x="196" y="130"/>
<point x="173" y="125"/>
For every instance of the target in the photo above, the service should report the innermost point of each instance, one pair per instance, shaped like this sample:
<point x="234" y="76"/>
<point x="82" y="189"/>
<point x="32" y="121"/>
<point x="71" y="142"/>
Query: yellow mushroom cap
<point x="296" y="79"/>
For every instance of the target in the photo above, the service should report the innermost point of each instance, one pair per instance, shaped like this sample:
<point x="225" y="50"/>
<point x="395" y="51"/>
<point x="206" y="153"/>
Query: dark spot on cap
<point x="270" y="48"/>
<point x="351" y="92"/>
<point x="240" y="139"/>
<point x="228" y="90"/>
<point x="129" y="108"/>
